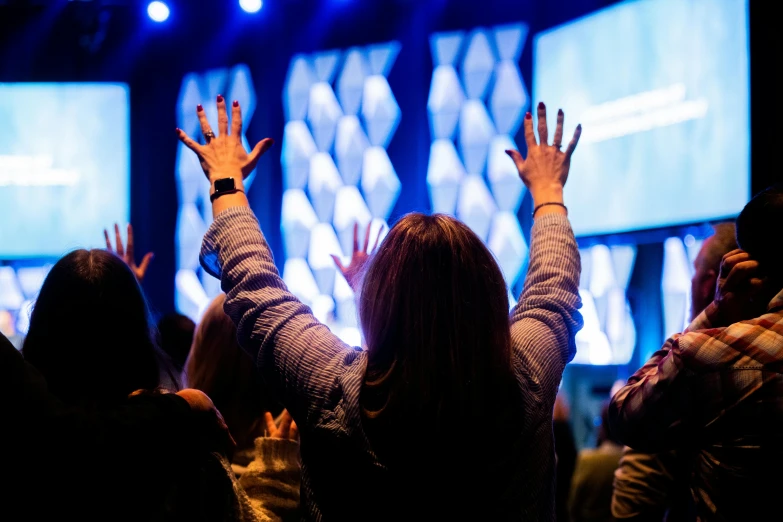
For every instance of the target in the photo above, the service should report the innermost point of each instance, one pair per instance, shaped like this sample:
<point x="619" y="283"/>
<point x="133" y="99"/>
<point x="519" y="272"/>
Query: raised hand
<point x="223" y="155"/>
<point x="285" y="430"/>
<point x="359" y="258"/>
<point x="545" y="170"/>
<point x="126" y="253"/>
<point x="740" y="292"/>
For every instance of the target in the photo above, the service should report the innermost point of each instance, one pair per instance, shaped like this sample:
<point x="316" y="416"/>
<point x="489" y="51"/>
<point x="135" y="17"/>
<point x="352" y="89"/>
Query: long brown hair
<point x="434" y="311"/>
<point x="219" y="367"/>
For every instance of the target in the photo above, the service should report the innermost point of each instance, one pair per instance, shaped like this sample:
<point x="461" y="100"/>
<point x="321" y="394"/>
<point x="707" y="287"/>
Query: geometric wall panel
<point x="340" y="115"/>
<point x="475" y="106"/>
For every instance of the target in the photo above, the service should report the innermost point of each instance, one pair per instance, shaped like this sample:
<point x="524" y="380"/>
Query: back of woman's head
<point x="434" y="312"/>
<point x="219" y="367"/>
<point x="90" y="332"/>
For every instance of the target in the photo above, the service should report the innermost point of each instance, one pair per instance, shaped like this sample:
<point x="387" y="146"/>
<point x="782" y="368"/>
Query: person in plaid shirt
<point x="715" y="392"/>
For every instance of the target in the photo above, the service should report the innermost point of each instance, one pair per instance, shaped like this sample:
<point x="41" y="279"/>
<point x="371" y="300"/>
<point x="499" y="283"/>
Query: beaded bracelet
<point x="545" y="204"/>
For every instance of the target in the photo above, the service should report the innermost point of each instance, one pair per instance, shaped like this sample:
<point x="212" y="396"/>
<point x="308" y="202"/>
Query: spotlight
<point x="158" y="11"/>
<point x="251" y="6"/>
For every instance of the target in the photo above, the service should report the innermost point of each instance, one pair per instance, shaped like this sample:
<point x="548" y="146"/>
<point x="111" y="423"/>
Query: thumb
<point x="338" y="262"/>
<point x="258" y="151"/>
<point x="517" y="158"/>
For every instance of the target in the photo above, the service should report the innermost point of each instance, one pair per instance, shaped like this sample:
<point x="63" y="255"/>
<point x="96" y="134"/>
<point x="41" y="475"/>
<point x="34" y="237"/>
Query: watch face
<point x="224" y="184"/>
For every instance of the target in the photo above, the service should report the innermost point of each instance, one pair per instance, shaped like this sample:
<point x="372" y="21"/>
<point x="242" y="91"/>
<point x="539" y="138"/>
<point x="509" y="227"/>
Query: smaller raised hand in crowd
<point x="284" y="429"/>
<point x="359" y="258"/>
<point x="126" y="252"/>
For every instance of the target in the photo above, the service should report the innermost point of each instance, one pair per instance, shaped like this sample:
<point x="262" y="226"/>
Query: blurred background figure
<point x="266" y="459"/>
<point x="175" y="335"/>
<point x="8" y="329"/>
<point x="565" y="454"/>
<point x="590" y="498"/>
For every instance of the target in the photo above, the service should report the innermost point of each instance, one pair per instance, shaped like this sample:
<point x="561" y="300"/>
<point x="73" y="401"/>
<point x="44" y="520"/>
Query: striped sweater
<point x="318" y="378"/>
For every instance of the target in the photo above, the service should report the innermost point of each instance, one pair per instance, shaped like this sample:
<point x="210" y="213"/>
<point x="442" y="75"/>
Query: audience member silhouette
<point x="715" y="389"/>
<point x="653" y="487"/>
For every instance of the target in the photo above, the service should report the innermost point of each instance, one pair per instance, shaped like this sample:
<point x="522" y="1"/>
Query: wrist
<point x="235" y="175"/>
<point x="547" y="194"/>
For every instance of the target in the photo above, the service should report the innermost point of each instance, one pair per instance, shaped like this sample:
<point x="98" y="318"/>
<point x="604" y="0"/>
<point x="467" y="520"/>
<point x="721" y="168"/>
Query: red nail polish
<point x="236" y="103"/>
<point x="559" y="112"/>
<point x="177" y="130"/>
<point x="540" y="105"/>
<point x="579" y="127"/>
<point x="199" y="108"/>
<point x="220" y="98"/>
<point x="528" y="115"/>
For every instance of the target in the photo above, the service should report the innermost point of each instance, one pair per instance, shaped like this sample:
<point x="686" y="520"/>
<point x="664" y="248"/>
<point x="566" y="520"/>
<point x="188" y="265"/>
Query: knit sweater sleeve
<point x="299" y="358"/>
<point x="272" y="480"/>
<point x="545" y="320"/>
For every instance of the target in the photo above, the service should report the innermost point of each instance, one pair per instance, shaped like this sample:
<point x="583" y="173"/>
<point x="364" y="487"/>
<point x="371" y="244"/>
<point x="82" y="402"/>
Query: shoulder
<point x="748" y="344"/>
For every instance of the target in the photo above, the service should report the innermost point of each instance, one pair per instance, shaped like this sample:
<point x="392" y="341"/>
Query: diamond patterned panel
<point x="335" y="146"/>
<point x="474" y="109"/>
<point x="194" y="289"/>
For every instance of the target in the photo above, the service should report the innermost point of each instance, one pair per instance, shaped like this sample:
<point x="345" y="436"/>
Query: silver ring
<point x="209" y="135"/>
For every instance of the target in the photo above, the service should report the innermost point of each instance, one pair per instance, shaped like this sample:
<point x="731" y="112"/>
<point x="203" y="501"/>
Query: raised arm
<point x="656" y="410"/>
<point x="298" y="356"/>
<point x="545" y="321"/>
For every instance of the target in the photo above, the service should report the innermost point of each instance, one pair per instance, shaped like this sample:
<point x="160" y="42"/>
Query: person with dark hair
<point x="448" y="412"/>
<point x="175" y="334"/>
<point x="590" y="498"/>
<point x="117" y="462"/>
<point x="90" y="334"/>
<point x="714" y="391"/>
<point x="653" y="487"/>
<point x="91" y="340"/>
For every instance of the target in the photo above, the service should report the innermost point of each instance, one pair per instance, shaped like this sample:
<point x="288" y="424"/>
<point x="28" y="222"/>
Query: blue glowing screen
<point x="64" y="166"/>
<point x="661" y="90"/>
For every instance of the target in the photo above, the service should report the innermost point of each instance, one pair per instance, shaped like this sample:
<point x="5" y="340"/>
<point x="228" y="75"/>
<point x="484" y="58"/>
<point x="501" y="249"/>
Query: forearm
<point x="652" y="412"/>
<point x="546" y="319"/>
<point x="292" y="349"/>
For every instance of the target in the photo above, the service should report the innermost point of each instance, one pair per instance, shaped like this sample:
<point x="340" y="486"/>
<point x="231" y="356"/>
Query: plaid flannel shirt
<point x="716" y="394"/>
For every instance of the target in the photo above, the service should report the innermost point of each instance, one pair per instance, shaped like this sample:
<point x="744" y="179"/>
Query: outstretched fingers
<point x="557" y="141"/>
<point x="118" y="238"/>
<point x="188" y="141"/>
<point x="236" y="120"/>
<point x="517" y="158"/>
<point x="108" y="241"/>
<point x="129" y="245"/>
<point x="572" y="145"/>
<point x="543" y="131"/>
<point x="338" y="263"/>
<point x="258" y="151"/>
<point x="367" y="237"/>
<point x="222" y="116"/>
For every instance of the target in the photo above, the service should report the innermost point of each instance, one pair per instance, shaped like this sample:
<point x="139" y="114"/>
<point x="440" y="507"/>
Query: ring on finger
<point x="209" y="135"/>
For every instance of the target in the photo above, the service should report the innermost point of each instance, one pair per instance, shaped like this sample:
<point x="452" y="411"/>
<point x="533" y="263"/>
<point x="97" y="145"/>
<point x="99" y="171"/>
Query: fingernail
<point x="220" y="98"/>
<point x="540" y="105"/>
<point x="579" y="127"/>
<point x="559" y="112"/>
<point x="177" y="130"/>
<point x="236" y="103"/>
<point x="199" y="108"/>
<point x="528" y="115"/>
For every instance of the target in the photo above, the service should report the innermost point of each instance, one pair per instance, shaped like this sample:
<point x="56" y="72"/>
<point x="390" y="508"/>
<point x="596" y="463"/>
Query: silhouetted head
<point x="219" y="367"/>
<point x="434" y="312"/>
<point x="175" y="334"/>
<point x="89" y="331"/>
<point x="757" y="227"/>
<point x="707" y="266"/>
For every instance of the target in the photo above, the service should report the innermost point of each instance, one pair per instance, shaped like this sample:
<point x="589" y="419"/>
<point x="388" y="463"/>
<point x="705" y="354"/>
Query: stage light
<point x="158" y="11"/>
<point x="251" y="6"/>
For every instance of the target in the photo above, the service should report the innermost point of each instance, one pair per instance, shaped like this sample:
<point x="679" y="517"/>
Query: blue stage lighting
<point x="251" y="6"/>
<point x="158" y="11"/>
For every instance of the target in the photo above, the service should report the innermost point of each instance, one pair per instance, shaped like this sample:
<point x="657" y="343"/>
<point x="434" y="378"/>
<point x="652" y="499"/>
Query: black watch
<point x="224" y="186"/>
